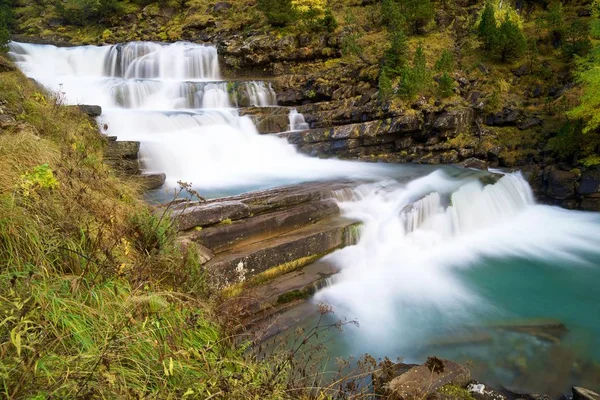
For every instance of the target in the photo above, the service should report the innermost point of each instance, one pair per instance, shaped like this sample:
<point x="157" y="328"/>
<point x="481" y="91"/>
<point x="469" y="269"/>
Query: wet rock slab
<point x="283" y="228"/>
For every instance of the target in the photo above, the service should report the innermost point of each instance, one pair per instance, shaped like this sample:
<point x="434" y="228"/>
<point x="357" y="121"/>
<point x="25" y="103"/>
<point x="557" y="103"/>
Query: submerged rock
<point x="475" y="163"/>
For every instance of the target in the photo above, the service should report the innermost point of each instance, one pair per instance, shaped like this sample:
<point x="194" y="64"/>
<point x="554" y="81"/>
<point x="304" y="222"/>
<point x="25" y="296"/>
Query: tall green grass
<point x="97" y="300"/>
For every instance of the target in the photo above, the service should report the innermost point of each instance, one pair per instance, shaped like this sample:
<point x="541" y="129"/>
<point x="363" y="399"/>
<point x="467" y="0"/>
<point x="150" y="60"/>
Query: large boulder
<point x="455" y="120"/>
<point x="475" y="163"/>
<point x="507" y="117"/>
<point x="91" y="110"/>
<point x="589" y="184"/>
<point x="560" y="184"/>
<point x="152" y="181"/>
<point x="418" y="382"/>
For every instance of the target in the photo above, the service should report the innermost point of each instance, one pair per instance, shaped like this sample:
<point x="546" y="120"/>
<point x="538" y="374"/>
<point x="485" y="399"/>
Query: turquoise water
<point x="484" y="277"/>
<point x="516" y="292"/>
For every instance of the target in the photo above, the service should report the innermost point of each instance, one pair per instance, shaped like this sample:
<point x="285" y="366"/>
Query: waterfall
<point x="297" y="122"/>
<point x="177" y="61"/>
<point x="171" y="98"/>
<point x="402" y="278"/>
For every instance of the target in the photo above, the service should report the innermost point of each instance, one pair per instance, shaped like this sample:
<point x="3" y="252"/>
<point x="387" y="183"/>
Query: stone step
<point x="191" y="214"/>
<point x="286" y="252"/>
<point x="262" y="303"/>
<point x="268" y="119"/>
<point x="224" y="236"/>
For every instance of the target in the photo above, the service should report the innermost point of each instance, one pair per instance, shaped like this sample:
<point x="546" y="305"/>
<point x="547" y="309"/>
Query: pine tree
<point x="446" y="62"/>
<point x="392" y="15"/>
<point x="487" y="28"/>
<point x="397" y="55"/>
<point x="446" y="85"/>
<point x="510" y="43"/>
<point x="421" y="75"/>
<point x="418" y="13"/>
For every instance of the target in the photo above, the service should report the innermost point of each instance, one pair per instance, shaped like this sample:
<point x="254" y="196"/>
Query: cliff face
<point x="499" y="114"/>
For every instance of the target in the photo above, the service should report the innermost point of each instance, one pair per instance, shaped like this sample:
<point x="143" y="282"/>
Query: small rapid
<point x="417" y="276"/>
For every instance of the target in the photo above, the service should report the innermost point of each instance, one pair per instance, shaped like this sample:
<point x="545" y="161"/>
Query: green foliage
<point x="392" y="15"/>
<point x="555" y="22"/>
<point x="595" y="23"/>
<point x="487" y="29"/>
<point x="385" y="84"/>
<point x="6" y="21"/>
<point x="311" y="15"/>
<point x="446" y="85"/>
<point x="82" y="12"/>
<point x="396" y="57"/>
<point x="567" y="142"/>
<point x="279" y="13"/>
<point x="421" y="75"/>
<point x="417" y="13"/>
<point x="577" y="41"/>
<point x="588" y="76"/>
<point x="39" y="179"/>
<point x="446" y="62"/>
<point x="328" y="21"/>
<point x="591" y="161"/>
<point x="509" y="43"/>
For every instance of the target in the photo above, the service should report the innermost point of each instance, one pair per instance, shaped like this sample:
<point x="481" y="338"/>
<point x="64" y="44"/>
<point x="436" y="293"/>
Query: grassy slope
<point x="96" y="300"/>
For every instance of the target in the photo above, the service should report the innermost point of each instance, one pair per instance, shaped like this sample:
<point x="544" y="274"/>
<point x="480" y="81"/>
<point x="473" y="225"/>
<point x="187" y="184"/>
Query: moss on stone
<point x="456" y="392"/>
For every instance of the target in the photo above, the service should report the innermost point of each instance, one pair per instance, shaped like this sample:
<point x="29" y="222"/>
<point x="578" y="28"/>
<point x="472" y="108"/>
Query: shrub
<point x="445" y="85"/>
<point x="6" y="19"/>
<point x="446" y="62"/>
<point x="82" y="12"/>
<point x="279" y="13"/>
<point x="577" y="41"/>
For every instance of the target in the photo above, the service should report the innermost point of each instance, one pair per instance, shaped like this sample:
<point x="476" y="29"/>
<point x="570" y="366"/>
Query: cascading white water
<point x="401" y="281"/>
<point x="297" y="122"/>
<point x="148" y="60"/>
<point x="171" y="99"/>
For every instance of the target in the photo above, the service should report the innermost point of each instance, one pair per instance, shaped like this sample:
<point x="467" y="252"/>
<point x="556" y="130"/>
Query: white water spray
<point x="400" y="281"/>
<point x="297" y="121"/>
<point x="171" y="99"/>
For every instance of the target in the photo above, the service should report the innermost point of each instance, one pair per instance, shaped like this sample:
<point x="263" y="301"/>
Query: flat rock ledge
<point x="257" y="239"/>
